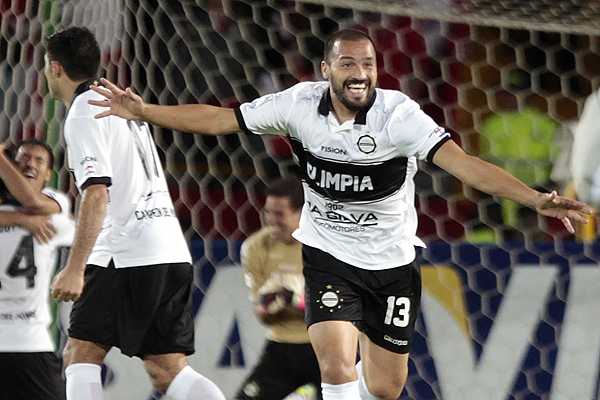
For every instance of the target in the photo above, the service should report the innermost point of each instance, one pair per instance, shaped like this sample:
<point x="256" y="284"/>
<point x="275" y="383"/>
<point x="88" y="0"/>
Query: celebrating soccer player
<point x="358" y="147"/>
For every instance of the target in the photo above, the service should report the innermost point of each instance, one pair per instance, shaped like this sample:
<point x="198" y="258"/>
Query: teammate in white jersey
<point x="358" y="146"/>
<point x="35" y="224"/>
<point x="129" y="270"/>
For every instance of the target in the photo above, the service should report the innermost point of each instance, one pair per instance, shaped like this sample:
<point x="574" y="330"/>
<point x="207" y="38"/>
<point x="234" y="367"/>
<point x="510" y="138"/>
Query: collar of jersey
<point x="83" y="87"/>
<point x="326" y="105"/>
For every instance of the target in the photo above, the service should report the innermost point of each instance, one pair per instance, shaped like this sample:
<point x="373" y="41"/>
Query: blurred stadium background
<point x="510" y="309"/>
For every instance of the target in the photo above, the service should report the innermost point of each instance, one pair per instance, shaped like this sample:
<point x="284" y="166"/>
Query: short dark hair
<point x="351" y="35"/>
<point x="77" y="50"/>
<point x="291" y="188"/>
<point x="39" y="143"/>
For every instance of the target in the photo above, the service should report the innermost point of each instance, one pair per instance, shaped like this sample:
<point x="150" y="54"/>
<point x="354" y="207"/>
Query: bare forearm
<point x="10" y="218"/>
<point x="89" y="224"/>
<point x="484" y="176"/>
<point x="491" y="179"/>
<point x="194" y="118"/>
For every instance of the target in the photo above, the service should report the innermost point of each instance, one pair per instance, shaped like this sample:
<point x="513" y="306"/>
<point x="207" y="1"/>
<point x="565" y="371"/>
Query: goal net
<point x="510" y="298"/>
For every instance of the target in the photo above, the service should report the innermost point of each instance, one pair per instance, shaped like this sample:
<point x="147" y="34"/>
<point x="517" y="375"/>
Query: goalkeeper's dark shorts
<point x="282" y="368"/>
<point x="383" y="304"/>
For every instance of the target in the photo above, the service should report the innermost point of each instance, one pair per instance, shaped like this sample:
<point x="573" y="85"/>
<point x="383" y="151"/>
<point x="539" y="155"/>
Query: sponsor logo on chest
<point x="334" y="150"/>
<point x="366" y="144"/>
<point x="338" y="181"/>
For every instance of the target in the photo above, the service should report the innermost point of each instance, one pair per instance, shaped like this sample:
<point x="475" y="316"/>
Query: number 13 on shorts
<point x="400" y="306"/>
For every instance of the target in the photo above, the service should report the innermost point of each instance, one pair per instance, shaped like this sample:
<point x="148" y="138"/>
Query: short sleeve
<point x="63" y="222"/>
<point x="267" y="115"/>
<point x="87" y="151"/>
<point x="415" y="133"/>
<point x="65" y="230"/>
<point x="63" y="201"/>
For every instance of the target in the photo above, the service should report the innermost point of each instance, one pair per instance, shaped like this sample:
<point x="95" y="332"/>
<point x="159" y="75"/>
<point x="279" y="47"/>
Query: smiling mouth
<point x="30" y="175"/>
<point x="357" y="89"/>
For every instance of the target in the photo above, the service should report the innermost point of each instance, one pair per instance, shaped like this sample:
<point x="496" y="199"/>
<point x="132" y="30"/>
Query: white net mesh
<point x="503" y="93"/>
<point x="571" y="16"/>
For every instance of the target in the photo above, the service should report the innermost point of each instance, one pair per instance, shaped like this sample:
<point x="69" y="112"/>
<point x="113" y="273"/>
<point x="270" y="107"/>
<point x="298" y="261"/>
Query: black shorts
<point x="383" y="304"/>
<point x="282" y="368"/>
<point x="141" y="310"/>
<point x="31" y="376"/>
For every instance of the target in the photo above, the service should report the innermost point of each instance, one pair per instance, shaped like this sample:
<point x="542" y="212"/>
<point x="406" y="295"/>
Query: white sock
<point x="190" y="385"/>
<point x="363" y="390"/>
<point x="84" y="382"/>
<point x="345" y="391"/>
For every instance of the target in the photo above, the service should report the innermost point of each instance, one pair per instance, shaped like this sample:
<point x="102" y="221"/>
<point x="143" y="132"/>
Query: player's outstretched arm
<point x="193" y="118"/>
<point x="494" y="180"/>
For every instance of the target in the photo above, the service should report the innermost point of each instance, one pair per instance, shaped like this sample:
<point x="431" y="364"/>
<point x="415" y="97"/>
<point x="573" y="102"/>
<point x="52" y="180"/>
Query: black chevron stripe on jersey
<point x="349" y="182"/>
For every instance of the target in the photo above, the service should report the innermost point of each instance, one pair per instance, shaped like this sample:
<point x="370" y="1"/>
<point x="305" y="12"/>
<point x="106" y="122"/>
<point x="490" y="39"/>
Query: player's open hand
<point x="119" y="102"/>
<point x="567" y="210"/>
<point x="40" y="227"/>
<point x="68" y="284"/>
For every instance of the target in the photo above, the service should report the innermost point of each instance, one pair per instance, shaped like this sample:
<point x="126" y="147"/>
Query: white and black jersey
<point x="358" y="176"/>
<point x="140" y="227"/>
<point x="26" y="268"/>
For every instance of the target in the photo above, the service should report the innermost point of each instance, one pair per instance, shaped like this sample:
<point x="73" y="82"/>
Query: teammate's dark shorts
<point x="141" y="310"/>
<point x="31" y="376"/>
<point x="282" y="368"/>
<point x="383" y="304"/>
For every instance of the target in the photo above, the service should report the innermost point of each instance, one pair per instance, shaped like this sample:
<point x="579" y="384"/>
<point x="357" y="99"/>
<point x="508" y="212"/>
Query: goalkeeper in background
<point x="272" y="261"/>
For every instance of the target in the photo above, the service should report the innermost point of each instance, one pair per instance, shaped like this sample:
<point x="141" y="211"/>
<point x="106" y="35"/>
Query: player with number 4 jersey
<point x="35" y="226"/>
<point x="26" y="266"/>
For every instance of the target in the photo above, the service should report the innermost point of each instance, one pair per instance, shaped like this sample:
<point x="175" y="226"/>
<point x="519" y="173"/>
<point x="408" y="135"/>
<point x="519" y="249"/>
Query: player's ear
<point x="48" y="176"/>
<point x="325" y="69"/>
<point x="56" y="68"/>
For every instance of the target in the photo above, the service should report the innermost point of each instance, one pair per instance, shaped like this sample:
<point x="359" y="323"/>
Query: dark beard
<point x="339" y="92"/>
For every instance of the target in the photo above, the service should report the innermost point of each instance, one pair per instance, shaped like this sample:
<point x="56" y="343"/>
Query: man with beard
<point x="358" y="148"/>
<point x="35" y="224"/>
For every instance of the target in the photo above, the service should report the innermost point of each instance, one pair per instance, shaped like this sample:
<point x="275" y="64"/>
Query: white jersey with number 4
<point x="140" y="227"/>
<point x="26" y="268"/>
